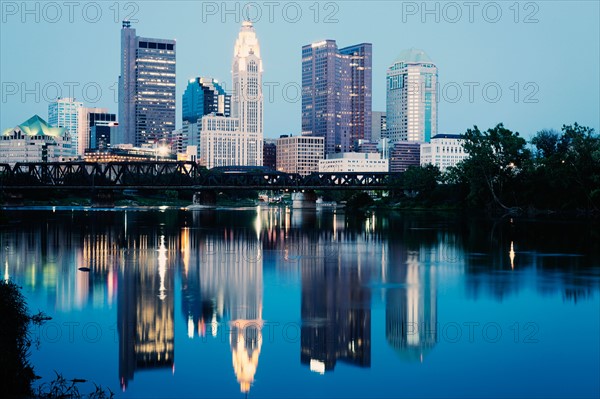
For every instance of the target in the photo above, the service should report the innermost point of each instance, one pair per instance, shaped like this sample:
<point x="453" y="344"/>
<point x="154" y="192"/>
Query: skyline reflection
<point x="213" y="267"/>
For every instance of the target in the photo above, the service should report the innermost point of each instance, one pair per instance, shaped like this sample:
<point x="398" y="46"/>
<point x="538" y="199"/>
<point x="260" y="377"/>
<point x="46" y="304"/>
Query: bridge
<point x="176" y="176"/>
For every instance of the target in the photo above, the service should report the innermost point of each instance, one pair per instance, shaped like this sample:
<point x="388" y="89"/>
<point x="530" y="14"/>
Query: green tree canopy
<point x="497" y="158"/>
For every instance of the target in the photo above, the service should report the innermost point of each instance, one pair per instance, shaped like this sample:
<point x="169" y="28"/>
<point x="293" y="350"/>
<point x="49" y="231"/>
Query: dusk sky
<point x="543" y="56"/>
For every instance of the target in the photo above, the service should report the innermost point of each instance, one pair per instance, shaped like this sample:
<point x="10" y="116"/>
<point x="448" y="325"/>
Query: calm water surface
<point x="276" y="303"/>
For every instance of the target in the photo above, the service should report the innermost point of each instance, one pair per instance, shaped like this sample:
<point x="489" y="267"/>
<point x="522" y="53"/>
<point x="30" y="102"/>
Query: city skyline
<point x="495" y="55"/>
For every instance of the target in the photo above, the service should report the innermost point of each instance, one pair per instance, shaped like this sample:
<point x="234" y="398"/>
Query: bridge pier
<point x="205" y="197"/>
<point x="103" y="199"/>
<point x="305" y="199"/>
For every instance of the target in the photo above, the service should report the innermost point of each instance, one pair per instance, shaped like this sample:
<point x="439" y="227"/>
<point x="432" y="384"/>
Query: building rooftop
<point x="413" y="55"/>
<point x="36" y="126"/>
<point x="447" y="136"/>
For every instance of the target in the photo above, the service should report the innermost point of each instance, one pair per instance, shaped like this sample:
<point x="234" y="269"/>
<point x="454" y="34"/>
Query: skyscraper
<point x="146" y="88"/>
<point x="411" y="97"/>
<point x="204" y="96"/>
<point x="238" y="140"/>
<point x="247" y="100"/>
<point x="326" y="86"/>
<point x="361" y="59"/>
<point x="64" y="112"/>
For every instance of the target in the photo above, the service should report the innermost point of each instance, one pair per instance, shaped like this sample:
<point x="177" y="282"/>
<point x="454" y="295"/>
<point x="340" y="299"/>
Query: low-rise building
<point x="349" y="162"/>
<point x="270" y="153"/>
<point x="299" y="154"/>
<point x="129" y="153"/>
<point x="444" y="151"/>
<point x="222" y="143"/>
<point x="35" y="141"/>
<point x="403" y="155"/>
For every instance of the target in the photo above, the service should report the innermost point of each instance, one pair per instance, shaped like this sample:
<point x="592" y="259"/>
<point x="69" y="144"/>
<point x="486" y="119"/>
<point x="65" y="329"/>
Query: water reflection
<point x="411" y="310"/>
<point x="145" y="313"/>
<point x="344" y="267"/>
<point x="336" y="314"/>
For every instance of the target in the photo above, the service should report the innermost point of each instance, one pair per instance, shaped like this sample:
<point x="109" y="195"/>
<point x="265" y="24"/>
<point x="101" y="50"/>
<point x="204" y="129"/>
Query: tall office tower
<point x="64" y="112"/>
<point x="247" y="99"/>
<point x="88" y="118"/>
<point x="146" y="89"/>
<point x="326" y="87"/>
<point x="378" y="126"/>
<point x="411" y="97"/>
<point x="361" y="59"/>
<point x="204" y="96"/>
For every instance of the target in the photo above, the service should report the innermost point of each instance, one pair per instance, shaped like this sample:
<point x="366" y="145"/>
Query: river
<point x="273" y="302"/>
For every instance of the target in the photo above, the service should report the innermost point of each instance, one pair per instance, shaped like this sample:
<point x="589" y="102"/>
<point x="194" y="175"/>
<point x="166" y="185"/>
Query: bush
<point x="16" y="372"/>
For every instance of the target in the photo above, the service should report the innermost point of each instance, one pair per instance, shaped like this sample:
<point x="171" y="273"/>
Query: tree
<point x="579" y="148"/>
<point x="494" y="169"/>
<point x="546" y="143"/>
<point x="421" y="179"/>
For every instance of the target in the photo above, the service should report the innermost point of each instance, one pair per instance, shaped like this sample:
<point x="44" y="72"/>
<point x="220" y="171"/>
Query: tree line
<point x="553" y="172"/>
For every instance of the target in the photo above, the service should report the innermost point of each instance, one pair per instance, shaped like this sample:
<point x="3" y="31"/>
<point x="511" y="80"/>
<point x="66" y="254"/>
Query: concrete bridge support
<point x="305" y="199"/>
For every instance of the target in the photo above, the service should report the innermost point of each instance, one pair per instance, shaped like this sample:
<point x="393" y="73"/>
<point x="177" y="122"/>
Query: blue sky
<point x="544" y="56"/>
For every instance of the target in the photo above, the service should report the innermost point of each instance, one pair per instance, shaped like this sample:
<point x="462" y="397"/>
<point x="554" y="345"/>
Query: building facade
<point x="326" y="86"/>
<point x="270" y="153"/>
<point x="146" y="89"/>
<point x="88" y="119"/>
<point x="378" y="126"/>
<point x="444" y="151"/>
<point x="299" y="154"/>
<point x="350" y="162"/>
<point x="366" y="146"/>
<point x="129" y="153"/>
<point x="360" y="69"/>
<point x="411" y="110"/>
<point x="35" y="141"/>
<point x="223" y="144"/>
<point x="204" y="96"/>
<point x="65" y="112"/>
<point x="403" y="155"/>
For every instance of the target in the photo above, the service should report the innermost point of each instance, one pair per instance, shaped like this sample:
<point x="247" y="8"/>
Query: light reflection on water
<point x="262" y="301"/>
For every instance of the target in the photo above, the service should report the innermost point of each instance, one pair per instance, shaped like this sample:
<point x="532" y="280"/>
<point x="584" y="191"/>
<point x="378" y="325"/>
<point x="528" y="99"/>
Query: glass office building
<point x="326" y="85"/>
<point x="146" y="89"/>
<point x="361" y="60"/>
<point x="64" y="112"/>
<point x="204" y="96"/>
<point x="411" y="110"/>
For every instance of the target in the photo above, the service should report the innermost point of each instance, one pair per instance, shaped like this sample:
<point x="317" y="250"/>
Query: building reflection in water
<point x="411" y="308"/>
<point x="337" y="258"/>
<point x="335" y="311"/>
<point x="223" y="283"/>
<point x="146" y="309"/>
